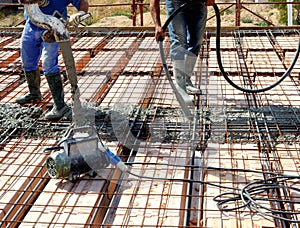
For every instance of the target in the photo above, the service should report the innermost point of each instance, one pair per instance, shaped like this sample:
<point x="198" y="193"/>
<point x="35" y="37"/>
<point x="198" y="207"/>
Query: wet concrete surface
<point x="223" y="124"/>
<point x="278" y="123"/>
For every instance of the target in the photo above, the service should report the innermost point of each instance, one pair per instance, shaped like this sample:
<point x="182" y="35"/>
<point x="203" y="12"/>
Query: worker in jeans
<point x="186" y="34"/>
<point x="33" y="47"/>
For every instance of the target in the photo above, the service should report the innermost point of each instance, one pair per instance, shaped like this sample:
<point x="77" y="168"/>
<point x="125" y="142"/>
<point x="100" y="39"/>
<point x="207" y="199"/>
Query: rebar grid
<point x="172" y="183"/>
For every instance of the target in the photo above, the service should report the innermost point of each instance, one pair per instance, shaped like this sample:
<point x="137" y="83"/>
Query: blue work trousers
<point x="33" y="48"/>
<point x="186" y="29"/>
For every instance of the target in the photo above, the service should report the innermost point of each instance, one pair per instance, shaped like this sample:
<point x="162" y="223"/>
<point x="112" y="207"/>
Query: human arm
<point x="210" y="2"/>
<point x="84" y="6"/>
<point x="76" y="18"/>
<point x="155" y="14"/>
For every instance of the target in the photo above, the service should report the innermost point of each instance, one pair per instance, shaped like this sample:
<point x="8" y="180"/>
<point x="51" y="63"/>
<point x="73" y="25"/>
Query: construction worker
<point x="33" y="47"/>
<point x="186" y="34"/>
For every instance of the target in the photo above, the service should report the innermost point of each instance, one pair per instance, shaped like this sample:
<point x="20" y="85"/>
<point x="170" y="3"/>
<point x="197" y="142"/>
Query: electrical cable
<point x="267" y="186"/>
<point x="277" y="175"/>
<point x="179" y="180"/>
<point x="191" y="3"/>
<point x="206" y="167"/>
<point x="251" y="195"/>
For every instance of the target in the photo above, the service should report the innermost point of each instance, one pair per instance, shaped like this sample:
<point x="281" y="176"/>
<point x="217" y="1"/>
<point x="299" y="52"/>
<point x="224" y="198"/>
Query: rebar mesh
<point x="177" y="167"/>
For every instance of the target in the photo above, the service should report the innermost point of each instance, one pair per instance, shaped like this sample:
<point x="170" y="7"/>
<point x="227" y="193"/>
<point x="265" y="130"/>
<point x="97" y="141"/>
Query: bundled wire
<point x="259" y="195"/>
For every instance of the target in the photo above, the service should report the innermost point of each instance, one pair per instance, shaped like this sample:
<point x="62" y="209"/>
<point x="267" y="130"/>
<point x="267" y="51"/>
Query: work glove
<point x="48" y="36"/>
<point x="43" y="3"/>
<point x="76" y="18"/>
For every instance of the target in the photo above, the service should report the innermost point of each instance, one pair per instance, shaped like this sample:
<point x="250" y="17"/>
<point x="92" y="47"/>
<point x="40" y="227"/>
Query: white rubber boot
<point x="190" y="62"/>
<point x="179" y="75"/>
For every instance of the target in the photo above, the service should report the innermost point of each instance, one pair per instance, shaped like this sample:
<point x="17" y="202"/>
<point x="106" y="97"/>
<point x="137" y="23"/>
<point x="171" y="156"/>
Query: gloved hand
<point x="48" y="36"/>
<point x="43" y="3"/>
<point x="76" y="18"/>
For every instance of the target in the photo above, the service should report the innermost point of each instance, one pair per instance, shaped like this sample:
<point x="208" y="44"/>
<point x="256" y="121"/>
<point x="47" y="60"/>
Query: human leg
<point x="179" y="75"/>
<point x="60" y="108"/>
<point x="53" y="76"/>
<point x="196" y="21"/>
<point x="190" y="62"/>
<point x="33" y="80"/>
<point x="178" y="38"/>
<point x="30" y="54"/>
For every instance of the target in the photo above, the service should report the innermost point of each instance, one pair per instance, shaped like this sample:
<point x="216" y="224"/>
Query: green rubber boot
<point x="60" y="108"/>
<point x="190" y="62"/>
<point x="33" y="80"/>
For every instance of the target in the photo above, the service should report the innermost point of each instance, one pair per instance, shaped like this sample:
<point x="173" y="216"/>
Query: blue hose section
<point x="113" y="158"/>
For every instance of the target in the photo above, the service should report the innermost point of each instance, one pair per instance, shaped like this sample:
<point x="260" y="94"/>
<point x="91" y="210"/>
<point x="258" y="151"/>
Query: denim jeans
<point x="33" y="48"/>
<point x="186" y="29"/>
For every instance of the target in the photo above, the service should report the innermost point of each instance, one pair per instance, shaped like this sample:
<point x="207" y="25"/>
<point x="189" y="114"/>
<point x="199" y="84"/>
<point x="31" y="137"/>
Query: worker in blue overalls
<point x="34" y="47"/>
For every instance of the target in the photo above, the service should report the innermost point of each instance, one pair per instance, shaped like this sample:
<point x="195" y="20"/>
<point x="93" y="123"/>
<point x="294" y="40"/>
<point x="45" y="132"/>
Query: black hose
<point x="226" y="75"/>
<point x="219" y="59"/>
